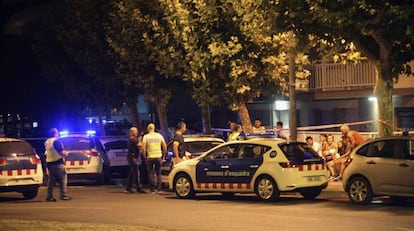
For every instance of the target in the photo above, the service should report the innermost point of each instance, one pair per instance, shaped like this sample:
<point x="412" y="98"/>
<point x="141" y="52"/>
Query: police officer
<point x="55" y="164"/>
<point x="134" y="161"/>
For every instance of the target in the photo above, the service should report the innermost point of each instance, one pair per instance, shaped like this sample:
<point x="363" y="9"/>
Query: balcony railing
<point x="327" y="77"/>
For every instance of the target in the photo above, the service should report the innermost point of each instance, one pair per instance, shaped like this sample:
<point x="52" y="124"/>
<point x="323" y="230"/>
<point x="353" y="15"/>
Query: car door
<point x="212" y="167"/>
<point x="381" y="166"/>
<point x="247" y="162"/>
<point x="230" y="167"/>
<point x="405" y="166"/>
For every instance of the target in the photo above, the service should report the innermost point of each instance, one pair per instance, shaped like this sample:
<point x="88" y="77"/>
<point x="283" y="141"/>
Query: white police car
<point x="20" y="168"/>
<point x="265" y="166"/>
<point x="86" y="159"/>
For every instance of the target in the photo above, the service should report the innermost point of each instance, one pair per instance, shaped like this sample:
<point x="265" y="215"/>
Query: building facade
<point x="338" y="94"/>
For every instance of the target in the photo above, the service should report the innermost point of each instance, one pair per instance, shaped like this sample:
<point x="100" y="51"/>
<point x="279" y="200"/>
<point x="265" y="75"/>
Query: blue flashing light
<point x="90" y="132"/>
<point x="64" y="133"/>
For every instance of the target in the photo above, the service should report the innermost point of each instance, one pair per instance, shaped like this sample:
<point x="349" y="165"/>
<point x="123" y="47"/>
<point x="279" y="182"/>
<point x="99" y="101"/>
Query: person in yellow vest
<point x="154" y="149"/>
<point x="55" y="153"/>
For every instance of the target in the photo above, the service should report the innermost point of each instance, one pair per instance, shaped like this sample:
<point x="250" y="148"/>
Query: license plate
<point x="314" y="178"/>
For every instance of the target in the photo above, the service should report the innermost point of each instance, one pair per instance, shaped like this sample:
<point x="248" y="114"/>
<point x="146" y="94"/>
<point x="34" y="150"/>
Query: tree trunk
<point x="133" y="111"/>
<point x="162" y="117"/>
<point x="245" y="119"/>
<point x="100" y="122"/>
<point x="383" y="92"/>
<point x="205" y="118"/>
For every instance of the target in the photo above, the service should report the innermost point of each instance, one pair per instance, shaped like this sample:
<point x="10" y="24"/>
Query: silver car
<point x="381" y="167"/>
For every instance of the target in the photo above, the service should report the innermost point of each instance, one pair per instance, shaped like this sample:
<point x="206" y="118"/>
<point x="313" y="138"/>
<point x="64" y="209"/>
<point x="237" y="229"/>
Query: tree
<point x="381" y="30"/>
<point x="146" y="52"/>
<point x="232" y="49"/>
<point x="77" y="29"/>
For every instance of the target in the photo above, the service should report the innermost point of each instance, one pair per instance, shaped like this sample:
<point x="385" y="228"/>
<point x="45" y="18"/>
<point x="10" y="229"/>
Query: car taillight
<point x="91" y="153"/>
<point x="35" y="160"/>
<point x="3" y="161"/>
<point x="289" y="165"/>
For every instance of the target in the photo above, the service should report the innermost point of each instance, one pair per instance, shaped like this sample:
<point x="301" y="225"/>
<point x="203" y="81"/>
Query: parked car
<point x="265" y="166"/>
<point x="20" y="168"/>
<point x="87" y="158"/>
<point x="381" y="167"/>
<point x="196" y="145"/>
<point x="117" y="150"/>
<point x="38" y="145"/>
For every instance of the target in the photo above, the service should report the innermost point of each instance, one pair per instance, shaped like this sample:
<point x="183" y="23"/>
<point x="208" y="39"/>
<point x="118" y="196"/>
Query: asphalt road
<point x="109" y="208"/>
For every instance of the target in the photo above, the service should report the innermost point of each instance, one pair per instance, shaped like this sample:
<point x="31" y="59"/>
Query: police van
<point x="265" y="166"/>
<point x="20" y="168"/>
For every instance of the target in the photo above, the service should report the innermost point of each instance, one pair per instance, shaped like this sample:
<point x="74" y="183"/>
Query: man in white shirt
<point x="154" y="149"/>
<point x="314" y="144"/>
<point x="258" y="127"/>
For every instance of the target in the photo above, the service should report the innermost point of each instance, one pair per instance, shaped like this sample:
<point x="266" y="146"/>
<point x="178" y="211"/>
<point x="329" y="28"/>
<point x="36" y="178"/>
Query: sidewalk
<point x="334" y="188"/>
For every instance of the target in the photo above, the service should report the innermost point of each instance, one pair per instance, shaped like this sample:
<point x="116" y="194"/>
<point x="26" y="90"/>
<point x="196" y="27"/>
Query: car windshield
<point x="195" y="147"/>
<point x="15" y="147"/>
<point x="299" y="152"/>
<point x="77" y="143"/>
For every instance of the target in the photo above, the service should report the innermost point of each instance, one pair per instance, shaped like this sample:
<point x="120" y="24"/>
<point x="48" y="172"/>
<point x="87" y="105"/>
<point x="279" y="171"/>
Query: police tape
<point x="319" y="127"/>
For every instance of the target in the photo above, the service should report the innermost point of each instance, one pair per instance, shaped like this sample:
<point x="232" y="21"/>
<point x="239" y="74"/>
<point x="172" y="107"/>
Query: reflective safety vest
<point x="52" y="154"/>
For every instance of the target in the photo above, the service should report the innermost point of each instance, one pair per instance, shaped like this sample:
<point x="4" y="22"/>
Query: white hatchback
<point x="20" y="168"/>
<point x="265" y="166"/>
<point x="381" y="167"/>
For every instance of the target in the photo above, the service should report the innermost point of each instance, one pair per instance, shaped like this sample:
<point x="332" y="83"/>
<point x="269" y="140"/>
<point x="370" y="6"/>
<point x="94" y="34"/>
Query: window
<point x="77" y="143"/>
<point x="252" y="151"/>
<point x="299" y="152"/>
<point x="120" y="144"/>
<point x="384" y="148"/>
<point x="225" y="152"/>
<point x="408" y="149"/>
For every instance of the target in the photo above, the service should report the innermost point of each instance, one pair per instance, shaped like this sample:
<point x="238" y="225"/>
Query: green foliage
<point x="231" y="46"/>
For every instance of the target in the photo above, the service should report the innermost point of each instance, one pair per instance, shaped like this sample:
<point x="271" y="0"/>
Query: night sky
<point x="23" y="90"/>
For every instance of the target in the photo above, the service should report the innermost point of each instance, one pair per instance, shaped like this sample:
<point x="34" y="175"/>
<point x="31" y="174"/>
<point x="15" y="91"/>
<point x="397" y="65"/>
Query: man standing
<point x="280" y="133"/>
<point x="55" y="165"/>
<point x="355" y="138"/>
<point x="154" y="149"/>
<point x="179" y="147"/>
<point x="134" y="161"/>
<point x="258" y="127"/>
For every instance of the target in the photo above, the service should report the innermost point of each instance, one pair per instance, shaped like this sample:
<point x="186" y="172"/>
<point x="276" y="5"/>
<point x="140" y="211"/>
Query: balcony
<point x="334" y="77"/>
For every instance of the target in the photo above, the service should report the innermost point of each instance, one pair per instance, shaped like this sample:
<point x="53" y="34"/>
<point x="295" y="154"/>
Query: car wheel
<point x="311" y="194"/>
<point x="266" y="189"/>
<point x="360" y="191"/>
<point x="30" y="194"/>
<point x="183" y="187"/>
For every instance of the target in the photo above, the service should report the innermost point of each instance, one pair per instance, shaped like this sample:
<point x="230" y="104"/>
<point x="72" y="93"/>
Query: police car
<point x="265" y="166"/>
<point x="86" y="157"/>
<point x="117" y="150"/>
<point x="20" y="168"/>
